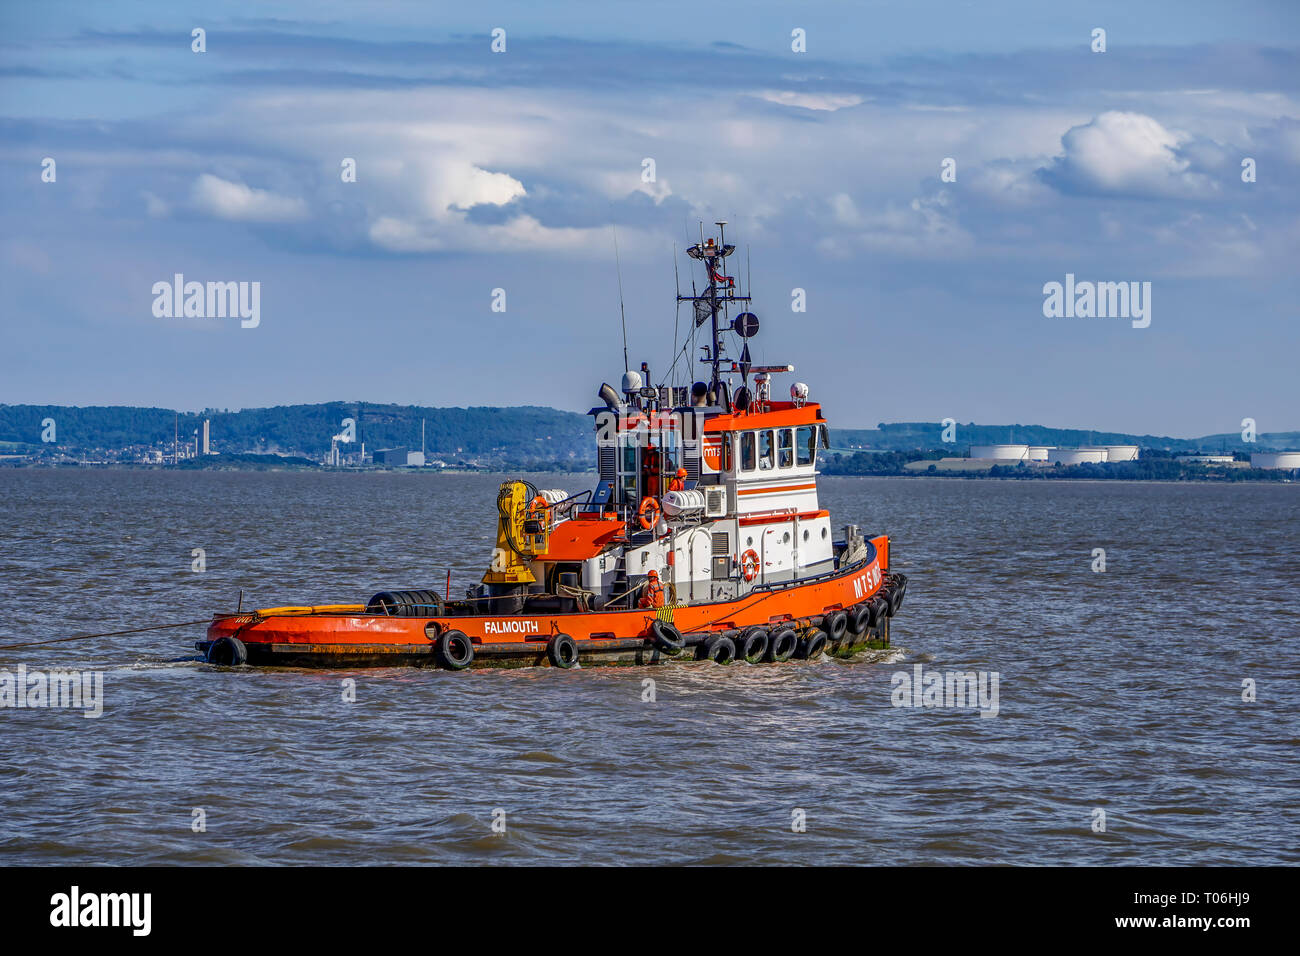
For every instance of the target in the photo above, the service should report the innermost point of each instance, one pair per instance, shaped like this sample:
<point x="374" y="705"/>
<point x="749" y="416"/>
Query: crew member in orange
<point x="650" y="468"/>
<point x="654" y="591"/>
<point x="678" y="483"/>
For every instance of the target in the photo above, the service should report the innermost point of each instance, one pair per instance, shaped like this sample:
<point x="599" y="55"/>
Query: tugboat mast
<point x="712" y="254"/>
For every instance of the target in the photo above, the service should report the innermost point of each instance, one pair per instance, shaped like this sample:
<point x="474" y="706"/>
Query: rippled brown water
<point x="1119" y="690"/>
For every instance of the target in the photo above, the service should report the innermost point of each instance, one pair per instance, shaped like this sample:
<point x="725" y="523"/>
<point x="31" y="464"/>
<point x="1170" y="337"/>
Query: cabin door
<point x="767" y="558"/>
<point x="775" y="557"/>
<point x="693" y="557"/>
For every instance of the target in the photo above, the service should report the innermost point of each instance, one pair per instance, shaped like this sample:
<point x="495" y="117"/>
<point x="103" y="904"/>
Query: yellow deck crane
<point x="523" y="532"/>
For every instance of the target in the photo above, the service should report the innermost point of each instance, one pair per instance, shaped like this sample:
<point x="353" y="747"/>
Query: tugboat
<point x="704" y="539"/>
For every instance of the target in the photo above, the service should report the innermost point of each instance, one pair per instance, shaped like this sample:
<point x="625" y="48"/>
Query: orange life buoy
<point x="648" y="513"/>
<point x="749" y="565"/>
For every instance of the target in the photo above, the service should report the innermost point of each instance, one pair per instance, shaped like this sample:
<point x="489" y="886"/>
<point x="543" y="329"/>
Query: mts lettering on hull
<point x="511" y="627"/>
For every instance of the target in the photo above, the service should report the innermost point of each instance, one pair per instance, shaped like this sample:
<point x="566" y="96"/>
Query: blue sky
<point x="479" y="170"/>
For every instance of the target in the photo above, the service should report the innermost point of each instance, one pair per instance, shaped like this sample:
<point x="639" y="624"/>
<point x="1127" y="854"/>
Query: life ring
<point x="649" y="512"/>
<point x="749" y="565"/>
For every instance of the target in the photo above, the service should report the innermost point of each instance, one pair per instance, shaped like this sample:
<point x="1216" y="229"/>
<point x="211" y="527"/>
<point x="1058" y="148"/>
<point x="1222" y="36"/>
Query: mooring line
<point x="86" y="637"/>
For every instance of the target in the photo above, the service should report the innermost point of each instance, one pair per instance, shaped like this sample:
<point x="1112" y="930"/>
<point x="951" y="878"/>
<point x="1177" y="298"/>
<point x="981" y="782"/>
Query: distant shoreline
<point x="1188" y="473"/>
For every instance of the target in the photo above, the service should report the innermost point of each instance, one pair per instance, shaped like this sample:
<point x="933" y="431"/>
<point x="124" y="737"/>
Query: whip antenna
<point x="622" y="316"/>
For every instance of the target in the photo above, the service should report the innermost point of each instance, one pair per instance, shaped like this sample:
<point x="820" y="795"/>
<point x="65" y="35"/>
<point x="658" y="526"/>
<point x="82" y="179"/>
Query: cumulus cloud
<point x="1125" y="154"/>
<point x="239" y="203"/>
<point x="451" y="185"/>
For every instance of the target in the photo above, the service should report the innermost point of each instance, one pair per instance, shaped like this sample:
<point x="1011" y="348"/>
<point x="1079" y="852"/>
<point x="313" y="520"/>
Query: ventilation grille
<point x="715" y="502"/>
<point x="607" y="463"/>
<point x="691" y="460"/>
<point x="721" y="543"/>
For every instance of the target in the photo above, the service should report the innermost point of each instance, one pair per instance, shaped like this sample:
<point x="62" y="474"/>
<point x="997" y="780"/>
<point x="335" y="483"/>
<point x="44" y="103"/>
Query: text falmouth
<point x="1101" y="300"/>
<point x="216" y="300"/>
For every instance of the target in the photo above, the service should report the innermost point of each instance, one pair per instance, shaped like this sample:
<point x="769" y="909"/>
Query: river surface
<point x="1120" y="692"/>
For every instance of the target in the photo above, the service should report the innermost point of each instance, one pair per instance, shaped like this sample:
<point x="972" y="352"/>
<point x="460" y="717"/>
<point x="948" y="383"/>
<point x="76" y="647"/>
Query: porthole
<point x="825" y="532"/>
<point x="805" y="534"/>
<point x="749" y="542"/>
<point x="785" y="539"/>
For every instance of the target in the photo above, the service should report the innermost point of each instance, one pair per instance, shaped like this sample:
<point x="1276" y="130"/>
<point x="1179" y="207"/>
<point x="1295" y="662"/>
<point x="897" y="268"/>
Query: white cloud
<point x="451" y="184"/>
<point x="235" y="201"/>
<point x="828" y="102"/>
<point x="1126" y="154"/>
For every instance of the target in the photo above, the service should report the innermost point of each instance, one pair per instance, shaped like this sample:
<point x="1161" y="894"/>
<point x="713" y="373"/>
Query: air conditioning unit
<point x="715" y="502"/>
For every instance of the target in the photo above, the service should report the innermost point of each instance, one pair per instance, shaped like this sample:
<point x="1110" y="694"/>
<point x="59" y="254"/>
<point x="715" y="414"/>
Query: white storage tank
<point x="1278" y="459"/>
<point x="1000" y="452"/>
<point x="1121" y="452"/>
<point x="1040" y="452"/>
<point x="1077" y="456"/>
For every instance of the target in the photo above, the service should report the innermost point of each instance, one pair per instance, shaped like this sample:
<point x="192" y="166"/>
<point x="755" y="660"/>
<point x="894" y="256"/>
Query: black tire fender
<point x="454" y="650"/>
<point x="835" y="624"/>
<point x="811" y="645"/>
<point x="900" y="590"/>
<point x="562" y="651"/>
<point x="751" y="647"/>
<point x="227" y="652"/>
<point x="781" y="644"/>
<point x="719" y="649"/>
<point x="666" y="637"/>
<point x="879" y="609"/>
<point x="860" y="618"/>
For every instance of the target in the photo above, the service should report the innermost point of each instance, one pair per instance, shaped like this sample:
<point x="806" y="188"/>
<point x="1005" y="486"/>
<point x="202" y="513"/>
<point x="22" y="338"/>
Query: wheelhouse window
<point x="766" y="458"/>
<point x="785" y="448"/>
<point x="807" y="444"/>
<point x="627" y="471"/>
<point x="747" y="451"/>
<point x="727" y="462"/>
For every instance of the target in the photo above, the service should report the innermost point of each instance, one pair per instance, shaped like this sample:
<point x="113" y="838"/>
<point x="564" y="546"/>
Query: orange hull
<point x="334" y="638"/>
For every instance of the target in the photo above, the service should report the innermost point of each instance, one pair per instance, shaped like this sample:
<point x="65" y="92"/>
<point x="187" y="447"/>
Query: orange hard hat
<point x="681" y="472"/>
<point x="652" y="573"/>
